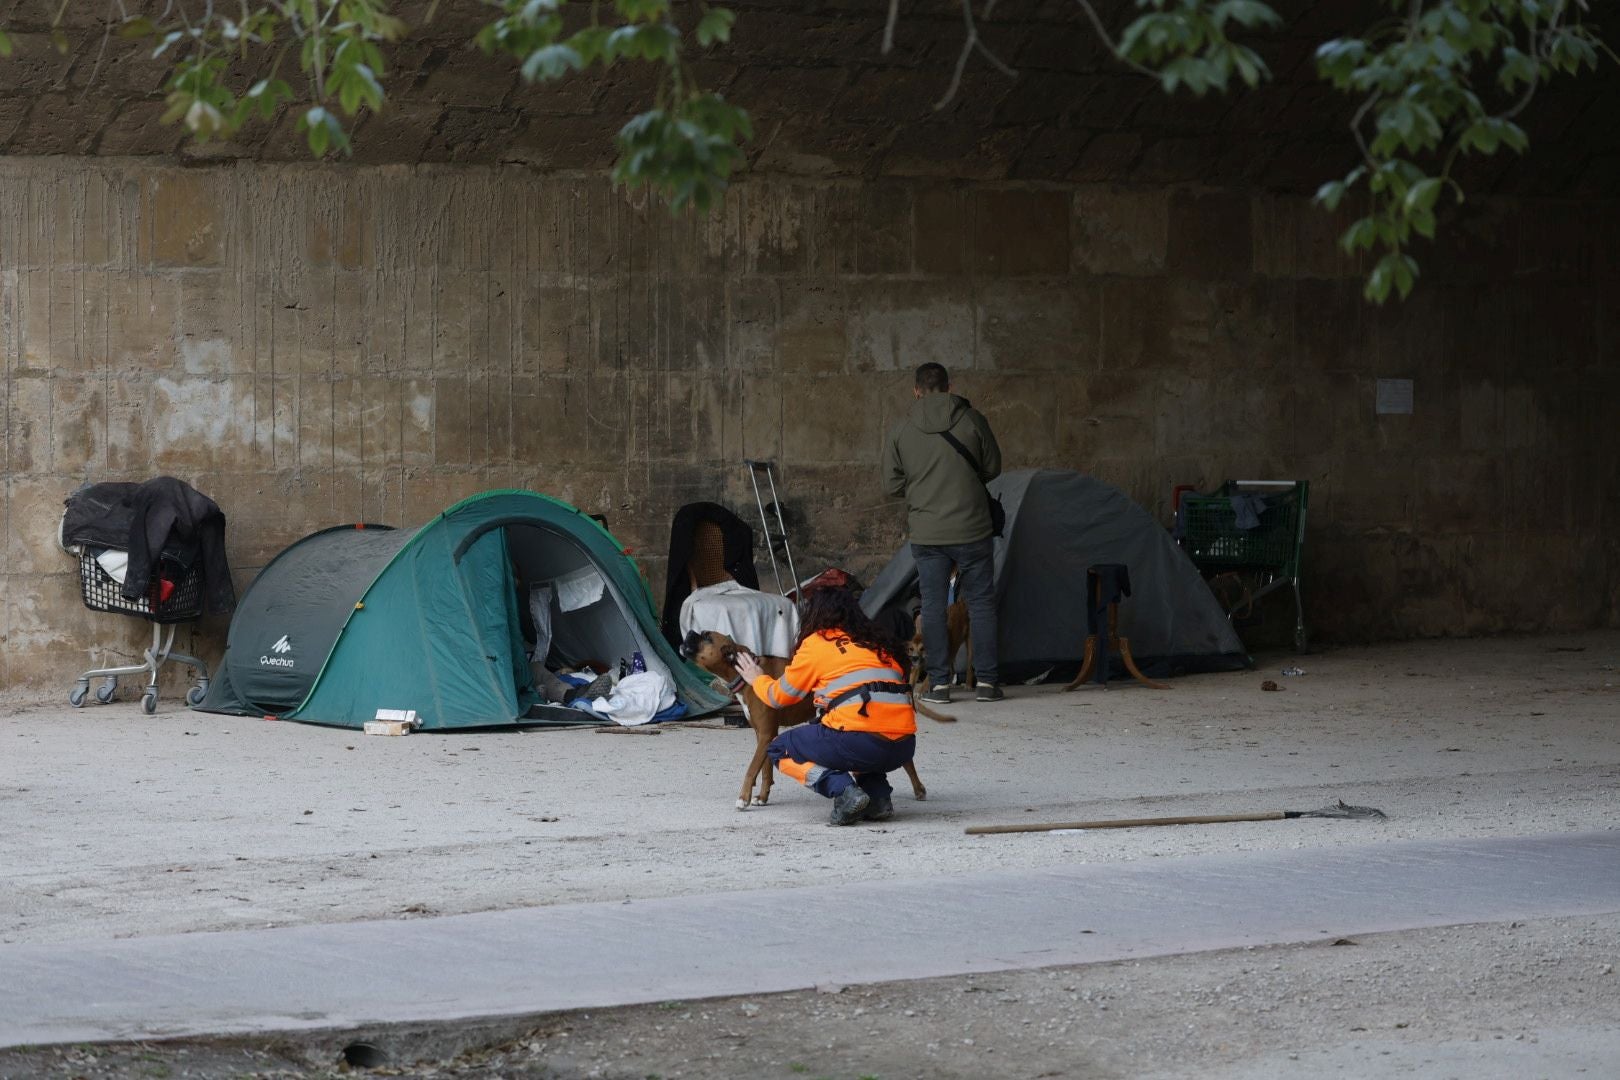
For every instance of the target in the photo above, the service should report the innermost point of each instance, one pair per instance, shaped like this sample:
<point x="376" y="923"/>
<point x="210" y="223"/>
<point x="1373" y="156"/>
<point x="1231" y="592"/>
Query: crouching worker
<point x="865" y="724"/>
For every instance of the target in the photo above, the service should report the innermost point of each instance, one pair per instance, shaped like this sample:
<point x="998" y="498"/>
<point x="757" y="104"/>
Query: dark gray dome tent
<point x="1059" y="522"/>
<point x="358" y="618"/>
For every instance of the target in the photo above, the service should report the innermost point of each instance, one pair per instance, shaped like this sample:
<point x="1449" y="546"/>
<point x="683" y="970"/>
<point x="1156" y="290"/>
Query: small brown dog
<point x="957" y="633"/>
<point x="716" y="653"/>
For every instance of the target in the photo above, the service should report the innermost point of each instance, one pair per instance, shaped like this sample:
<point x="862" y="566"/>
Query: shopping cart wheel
<point x="105" y="692"/>
<point x="80" y="692"/>
<point x="149" y="702"/>
<point x="195" y="695"/>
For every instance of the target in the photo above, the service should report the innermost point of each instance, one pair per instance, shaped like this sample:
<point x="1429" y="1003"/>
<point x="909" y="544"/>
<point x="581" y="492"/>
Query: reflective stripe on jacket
<point x="826" y="665"/>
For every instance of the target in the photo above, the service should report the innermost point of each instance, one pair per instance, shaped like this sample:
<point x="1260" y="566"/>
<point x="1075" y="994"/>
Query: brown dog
<point x="957" y="633"/>
<point x="716" y="653"/>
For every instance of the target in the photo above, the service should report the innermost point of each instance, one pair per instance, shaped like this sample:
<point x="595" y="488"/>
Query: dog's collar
<point x="736" y="685"/>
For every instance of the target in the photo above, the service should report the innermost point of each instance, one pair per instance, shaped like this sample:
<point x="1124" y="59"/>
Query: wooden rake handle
<point x="1130" y="823"/>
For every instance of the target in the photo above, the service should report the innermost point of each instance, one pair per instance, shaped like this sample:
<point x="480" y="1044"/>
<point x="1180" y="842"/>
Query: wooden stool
<point x="1105" y="584"/>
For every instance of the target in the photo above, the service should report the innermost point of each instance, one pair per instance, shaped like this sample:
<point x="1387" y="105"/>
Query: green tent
<point x="358" y="618"/>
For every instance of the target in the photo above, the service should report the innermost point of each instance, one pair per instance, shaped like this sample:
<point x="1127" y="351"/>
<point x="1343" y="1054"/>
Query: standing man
<point x="939" y="459"/>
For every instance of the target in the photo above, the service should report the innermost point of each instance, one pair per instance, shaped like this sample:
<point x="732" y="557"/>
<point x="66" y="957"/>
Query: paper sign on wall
<point x="1394" y="397"/>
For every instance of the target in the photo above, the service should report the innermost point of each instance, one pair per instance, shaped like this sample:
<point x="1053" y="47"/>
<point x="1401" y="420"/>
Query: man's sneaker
<point x="880" y="809"/>
<point x="989" y="692"/>
<point x="936" y="695"/>
<point x="849" y="805"/>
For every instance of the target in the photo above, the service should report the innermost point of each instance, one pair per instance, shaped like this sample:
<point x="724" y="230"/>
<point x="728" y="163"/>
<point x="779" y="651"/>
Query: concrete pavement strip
<point x="573" y="956"/>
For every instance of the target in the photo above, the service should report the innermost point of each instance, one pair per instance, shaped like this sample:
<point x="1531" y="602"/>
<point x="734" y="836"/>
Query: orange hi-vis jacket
<point x="827" y="665"/>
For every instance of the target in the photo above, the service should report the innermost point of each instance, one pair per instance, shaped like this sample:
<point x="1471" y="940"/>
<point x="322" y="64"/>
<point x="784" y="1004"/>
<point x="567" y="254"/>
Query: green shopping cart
<point x="1251" y="532"/>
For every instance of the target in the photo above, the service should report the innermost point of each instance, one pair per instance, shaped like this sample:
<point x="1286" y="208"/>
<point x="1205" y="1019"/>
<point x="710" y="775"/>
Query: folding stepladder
<point x="780" y="536"/>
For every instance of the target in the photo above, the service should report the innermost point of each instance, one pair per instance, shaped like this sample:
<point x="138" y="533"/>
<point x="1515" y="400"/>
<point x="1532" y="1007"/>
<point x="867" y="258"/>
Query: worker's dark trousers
<point x="976" y="584"/>
<point x="822" y="758"/>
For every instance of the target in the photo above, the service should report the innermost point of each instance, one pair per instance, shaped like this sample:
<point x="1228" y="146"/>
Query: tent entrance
<point x="571" y="613"/>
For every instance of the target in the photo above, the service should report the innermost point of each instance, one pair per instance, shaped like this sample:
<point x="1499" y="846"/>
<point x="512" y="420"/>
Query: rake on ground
<point x="1338" y="809"/>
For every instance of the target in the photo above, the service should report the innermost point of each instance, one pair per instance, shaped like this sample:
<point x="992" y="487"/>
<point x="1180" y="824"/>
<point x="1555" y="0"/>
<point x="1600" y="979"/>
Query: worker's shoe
<point x="849" y="805"/>
<point x="881" y="808"/>
<point x="989" y="692"/>
<point x="936" y="695"/>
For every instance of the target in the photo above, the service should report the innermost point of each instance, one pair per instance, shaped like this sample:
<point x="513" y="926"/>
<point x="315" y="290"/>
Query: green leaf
<point x="60" y="40"/>
<point x="715" y="26"/>
<point x="1423" y="194"/>
<point x="1249" y="65"/>
<point x="313" y="123"/>
<point x="168" y="39"/>
<point x="619" y="43"/>
<point x="534" y="10"/>
<point x="138" y="27"/>
<point x="203" y="120"/>
<point x="1359" y="235"/>
<point x="1406" y="272"/>
<point x="1250" y="13"/>
<point x="6" y="46"/>
<point x="371" y="91"/>
<point x="641" y="10"/>
<point x="348" y="91"/>
<point x="589" y="43"/>
<point x="551" y="62"/>
<point x="1331" y="194"/>
<point x="1517" y="68"/>
<point x="1379" y="282"/>
<point x="265" y="94"/>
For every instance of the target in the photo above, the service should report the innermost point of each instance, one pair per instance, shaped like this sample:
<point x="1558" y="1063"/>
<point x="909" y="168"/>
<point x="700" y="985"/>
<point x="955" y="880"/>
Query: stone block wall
<point x="312" y="345"/>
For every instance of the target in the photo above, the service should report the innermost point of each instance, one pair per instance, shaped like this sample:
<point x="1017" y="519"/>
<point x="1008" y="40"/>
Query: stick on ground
<point x="1339" y="809"/>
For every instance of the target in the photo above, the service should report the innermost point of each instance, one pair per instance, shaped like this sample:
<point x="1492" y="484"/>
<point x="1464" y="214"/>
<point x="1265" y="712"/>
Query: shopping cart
<point x="1250" y="532"/>
<point x="176" y="596"/>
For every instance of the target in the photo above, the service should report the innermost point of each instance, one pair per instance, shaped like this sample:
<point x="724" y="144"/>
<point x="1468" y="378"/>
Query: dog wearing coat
<point x="717" y="653"/>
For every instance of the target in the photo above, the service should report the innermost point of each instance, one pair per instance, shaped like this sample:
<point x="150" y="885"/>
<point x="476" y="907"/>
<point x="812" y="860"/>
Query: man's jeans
<point x="975" y="583"/>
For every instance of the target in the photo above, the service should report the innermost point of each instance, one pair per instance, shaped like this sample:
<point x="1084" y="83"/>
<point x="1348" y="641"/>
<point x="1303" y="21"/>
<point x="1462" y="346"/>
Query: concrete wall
<point x="1125" y="283"/>
<point x="312" y="345"/>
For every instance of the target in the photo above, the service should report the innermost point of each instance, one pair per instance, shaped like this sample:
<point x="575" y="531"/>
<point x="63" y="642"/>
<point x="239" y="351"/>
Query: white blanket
<point x="764" y="622"/>
<point x="636" y="699"/>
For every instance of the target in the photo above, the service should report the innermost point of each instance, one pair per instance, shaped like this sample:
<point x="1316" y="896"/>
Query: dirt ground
<point x="123" y="824"/>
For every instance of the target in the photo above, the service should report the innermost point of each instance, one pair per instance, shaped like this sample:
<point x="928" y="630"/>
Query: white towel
<point x="115" y="563"/>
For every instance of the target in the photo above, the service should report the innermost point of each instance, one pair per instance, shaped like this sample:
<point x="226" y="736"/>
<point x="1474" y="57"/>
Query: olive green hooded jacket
<point x="945" y="501"/>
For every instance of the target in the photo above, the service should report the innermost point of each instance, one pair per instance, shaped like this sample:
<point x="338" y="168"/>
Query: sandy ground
<point x="123" y="824"/>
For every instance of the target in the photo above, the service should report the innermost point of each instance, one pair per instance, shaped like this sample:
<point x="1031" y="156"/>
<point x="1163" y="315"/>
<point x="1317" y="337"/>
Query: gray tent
<point x="1058" y="523"/>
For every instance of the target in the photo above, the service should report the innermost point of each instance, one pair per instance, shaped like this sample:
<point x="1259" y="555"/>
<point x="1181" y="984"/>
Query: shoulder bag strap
<point x="967" y="455"/>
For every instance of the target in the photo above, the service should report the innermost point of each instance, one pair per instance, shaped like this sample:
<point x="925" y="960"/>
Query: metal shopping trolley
<point x="175" y="596"/>
<point x="1250" y="532"/>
